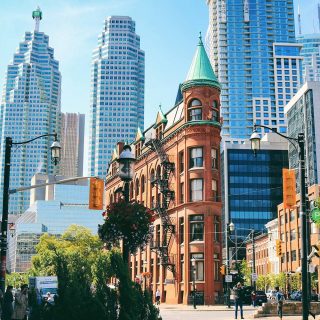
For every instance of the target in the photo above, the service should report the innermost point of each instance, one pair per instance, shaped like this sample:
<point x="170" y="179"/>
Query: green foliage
<point x="295" y="281"/>
<point x="263" y="282"/>
<point x="246" y="272"/>
<point x="84" y="273"/>
<point x="126" y="221"/>
<point x="17" y="279"/>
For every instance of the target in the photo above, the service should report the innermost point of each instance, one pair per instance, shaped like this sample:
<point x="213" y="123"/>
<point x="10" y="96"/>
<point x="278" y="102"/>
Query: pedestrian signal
<point x="289" y="188"/>
<point x="278" y="248"/>
<point x="96" y="194"/>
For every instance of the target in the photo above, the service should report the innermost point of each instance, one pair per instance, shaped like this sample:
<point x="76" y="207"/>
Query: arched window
<point x="143" y="184"/>
<point x="195" y="110"/>
<point x="137" y="187"/>
<point x="158" y="172"/>
<point x="152" y="177"/>
<point x="111" y="198"/>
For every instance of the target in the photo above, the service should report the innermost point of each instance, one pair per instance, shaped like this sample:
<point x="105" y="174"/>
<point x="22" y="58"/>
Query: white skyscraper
<point x="30" y="107"/>
<point x="72" y="143"/>
<point x="117" y="91"/>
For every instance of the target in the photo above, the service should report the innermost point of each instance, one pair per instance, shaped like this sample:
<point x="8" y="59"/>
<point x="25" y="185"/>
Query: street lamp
<point x="300" y="143"/>
<point x="55" y="157"/>
<point x="126" y="170"/>
<point x="193" y="262"/>
<point x="230" y="228"/>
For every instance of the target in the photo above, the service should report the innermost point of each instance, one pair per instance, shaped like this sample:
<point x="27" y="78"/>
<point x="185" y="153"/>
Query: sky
<point x="168" y="30"/>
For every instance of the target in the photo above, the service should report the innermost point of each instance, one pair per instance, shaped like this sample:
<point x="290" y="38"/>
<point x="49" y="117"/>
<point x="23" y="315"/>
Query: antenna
<point x="299" y="18"/>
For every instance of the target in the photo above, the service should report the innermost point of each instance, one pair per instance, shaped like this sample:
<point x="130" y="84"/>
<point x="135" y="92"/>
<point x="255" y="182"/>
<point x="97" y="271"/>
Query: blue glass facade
<point x="240" y="41"/>
<point x="254" y="187"/>
<point x="117" y="91"/>
<point x="30" y="107"/>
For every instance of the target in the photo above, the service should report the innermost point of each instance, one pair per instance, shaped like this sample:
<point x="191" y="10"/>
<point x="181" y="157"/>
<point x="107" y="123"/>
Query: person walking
<point x="158" y="295"/>
<point x="238" y="299"/>
<point x="7" y="308"/>
<point x="253" y="298"/>
<point x="21" y="304"/>
<point x="279" y="300"/>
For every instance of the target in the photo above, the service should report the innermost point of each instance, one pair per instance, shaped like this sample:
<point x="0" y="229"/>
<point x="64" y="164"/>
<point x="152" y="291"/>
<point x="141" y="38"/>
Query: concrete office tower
<point x="30" y="107"/>
<point x="117" y="91"/>
<point x="303" y="114"/>
<point x="311" y="56"/>
<point x="240" y="40"/>
<point x="72" y="144"/>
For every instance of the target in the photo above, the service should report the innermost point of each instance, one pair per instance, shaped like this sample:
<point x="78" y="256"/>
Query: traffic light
<point x="278" y="248"/>
<point x="223" y="269"/>
<point x="96" y="194"/>
<point x="289" y="188"/>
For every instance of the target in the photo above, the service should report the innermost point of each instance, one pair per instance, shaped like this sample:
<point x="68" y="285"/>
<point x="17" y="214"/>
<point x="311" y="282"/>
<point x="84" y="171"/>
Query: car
<point x="261" y="297"/>
<point x="296" y="295"/>
<point x="271" y="294"/>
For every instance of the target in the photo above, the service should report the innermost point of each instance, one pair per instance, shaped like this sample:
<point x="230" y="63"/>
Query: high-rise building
<point x="311" y="56"/>
<point x="252" y="184"/>
<point x="51" y="211"/>
<point x="251" y="47"/>
<point x="117" y="91"/>
<point x="303" y="115"/>
<point x="72" y="144"/>
<point x="30" y="107"/>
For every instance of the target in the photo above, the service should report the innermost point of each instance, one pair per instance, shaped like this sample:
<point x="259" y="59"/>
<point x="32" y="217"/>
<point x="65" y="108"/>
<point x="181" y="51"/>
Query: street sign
<point x="228" y="278"/>
<point x="315" y="215"/>
<point x="254" y="276"/>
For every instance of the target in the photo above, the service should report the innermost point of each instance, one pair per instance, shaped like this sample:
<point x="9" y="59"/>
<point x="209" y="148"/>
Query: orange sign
<point x="96" y="194"/>
<point x="289" y="188"/>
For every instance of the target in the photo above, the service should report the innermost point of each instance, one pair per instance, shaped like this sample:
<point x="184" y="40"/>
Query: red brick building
<point x="177" y="174"/>
<point x="289" y="225"/>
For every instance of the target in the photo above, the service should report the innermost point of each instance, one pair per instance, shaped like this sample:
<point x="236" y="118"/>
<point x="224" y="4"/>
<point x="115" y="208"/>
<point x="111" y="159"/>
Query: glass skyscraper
<point x="252" y="184"/>
<point x="30" y="107"/>
<point x="117" y="91"/>
<point x="251" y="47"/>
<point x="311" y="56"/>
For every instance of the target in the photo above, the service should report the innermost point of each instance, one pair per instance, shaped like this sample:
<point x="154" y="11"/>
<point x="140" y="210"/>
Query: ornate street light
<point x="126" y="162"/>
<point x="55" y="151"/>
<point x="255" y="141"/>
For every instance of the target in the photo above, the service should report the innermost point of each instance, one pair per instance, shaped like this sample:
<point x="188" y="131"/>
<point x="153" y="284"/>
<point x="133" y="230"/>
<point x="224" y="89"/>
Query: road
<point x="167" y="314"/>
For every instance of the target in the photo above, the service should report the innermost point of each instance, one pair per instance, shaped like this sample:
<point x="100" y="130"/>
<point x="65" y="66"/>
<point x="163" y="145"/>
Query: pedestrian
<point x="279" y="300"/>
<point x="238" y="298"/>
<point x="158" y="295"/>
<point x="7" y="308"/>
<point x="21" y="304"/>
<point x="253" y="298"/>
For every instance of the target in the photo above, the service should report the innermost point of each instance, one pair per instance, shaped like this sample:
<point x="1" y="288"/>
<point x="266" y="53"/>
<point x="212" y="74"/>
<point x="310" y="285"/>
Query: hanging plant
<point x="129" y="222"/>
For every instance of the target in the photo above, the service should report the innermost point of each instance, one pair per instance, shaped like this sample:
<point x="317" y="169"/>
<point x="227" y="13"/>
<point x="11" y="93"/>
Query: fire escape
<point x="161" y="207"/>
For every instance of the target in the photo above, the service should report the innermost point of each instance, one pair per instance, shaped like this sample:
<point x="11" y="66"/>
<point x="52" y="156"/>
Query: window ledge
<point x="196" y="241"/>
<point x="196" y="168"/>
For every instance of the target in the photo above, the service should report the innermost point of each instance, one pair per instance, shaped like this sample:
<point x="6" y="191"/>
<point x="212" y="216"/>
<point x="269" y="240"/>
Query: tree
<point x="126" y="222"/>
<point x="85" y="272"/>
<point x="263" y="282"/>
<point x="17" y="279"/>
<point x="246" y="272"/>
<point x="295" y="281"/>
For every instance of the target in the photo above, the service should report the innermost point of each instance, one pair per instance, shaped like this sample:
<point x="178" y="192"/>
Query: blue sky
<point x="168" y="30"/>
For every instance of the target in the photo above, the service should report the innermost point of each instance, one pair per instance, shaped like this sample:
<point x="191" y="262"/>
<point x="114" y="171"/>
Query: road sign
<point x="228" y="278"/>
<point x="254" y="276"/>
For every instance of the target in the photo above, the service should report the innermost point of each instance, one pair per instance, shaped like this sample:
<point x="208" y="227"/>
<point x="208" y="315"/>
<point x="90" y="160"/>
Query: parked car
<point x="261" y="297"/>
<point x="296" y="295"/>
<point x="271" y="294"/>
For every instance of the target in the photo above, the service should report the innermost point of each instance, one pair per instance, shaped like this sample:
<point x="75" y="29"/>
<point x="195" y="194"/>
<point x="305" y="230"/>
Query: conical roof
<point x="201" y="72"/>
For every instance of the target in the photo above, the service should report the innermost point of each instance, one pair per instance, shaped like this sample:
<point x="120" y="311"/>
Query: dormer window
<point x="138" y="149"/>
<point x="159" y="132"/>
<point x="195" y="110"/>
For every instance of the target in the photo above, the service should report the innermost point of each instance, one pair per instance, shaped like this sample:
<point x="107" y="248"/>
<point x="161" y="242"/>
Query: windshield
<point x="44" y="291"/>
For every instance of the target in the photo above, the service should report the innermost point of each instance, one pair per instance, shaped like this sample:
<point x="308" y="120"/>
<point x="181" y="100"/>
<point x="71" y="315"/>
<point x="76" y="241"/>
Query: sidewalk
<point x="183" y="307"/>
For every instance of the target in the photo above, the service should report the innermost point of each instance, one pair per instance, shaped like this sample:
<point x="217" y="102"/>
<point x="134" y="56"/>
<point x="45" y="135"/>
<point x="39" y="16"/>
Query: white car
<point x="271" y="294"/>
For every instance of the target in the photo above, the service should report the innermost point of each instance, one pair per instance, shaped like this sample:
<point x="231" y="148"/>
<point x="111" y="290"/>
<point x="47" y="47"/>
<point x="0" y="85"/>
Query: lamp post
<point x="145" y="263"/>
<point x="253" y="272"/>
<point x="193" y="262"/>
<point x="229" y="229"/>
<point x="300" y="142"/>
<point x="55" y="156"/>
<point x="126" y="169"/>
